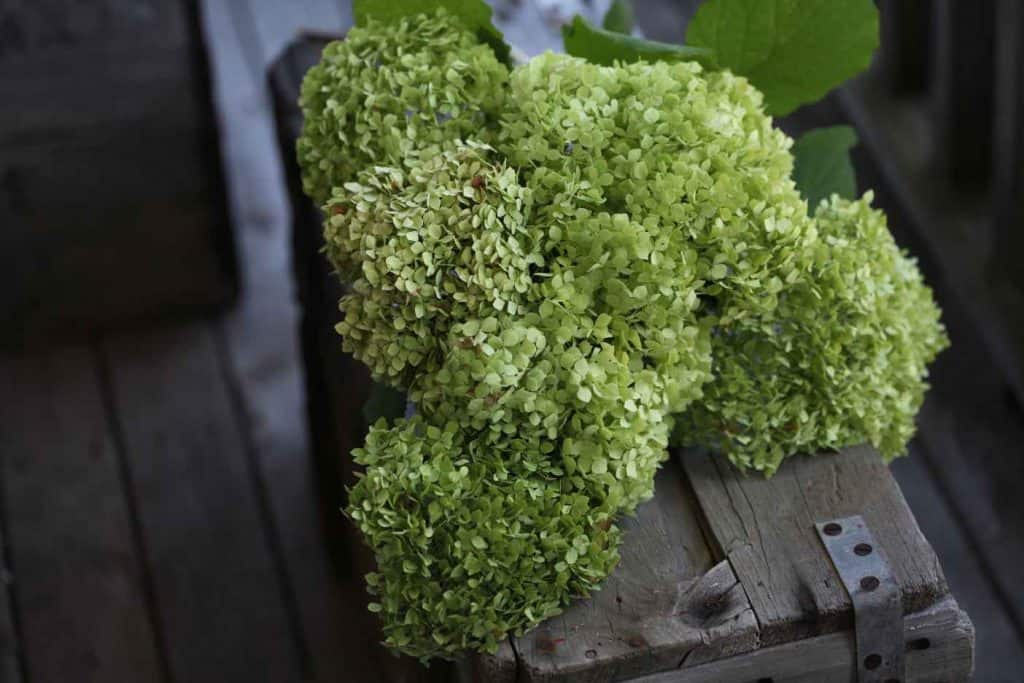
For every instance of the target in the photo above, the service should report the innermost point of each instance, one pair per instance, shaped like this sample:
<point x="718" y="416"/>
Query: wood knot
<point x="549" y="645"/>
<point x="709" y="598"/>
<point x="635" y="641"/>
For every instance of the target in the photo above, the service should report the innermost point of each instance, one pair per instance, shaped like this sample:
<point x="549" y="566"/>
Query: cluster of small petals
<point x="686" y="154"/>
<point x="439" y="240"/>
<point x="390" y="89"/>
<point x="559" y="265"/>
<point x="470" y="546"/>
<point x="842" y="360"/>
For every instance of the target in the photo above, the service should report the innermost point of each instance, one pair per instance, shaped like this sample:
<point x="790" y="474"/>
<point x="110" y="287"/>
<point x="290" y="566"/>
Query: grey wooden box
<point x="723" y="578"/>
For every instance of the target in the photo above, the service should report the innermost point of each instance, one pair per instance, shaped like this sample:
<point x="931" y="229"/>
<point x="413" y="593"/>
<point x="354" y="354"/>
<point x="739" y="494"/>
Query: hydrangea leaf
<point x="794" y="51"/>
<point x="475" y="14"/>
<point x="383" y="401"/>
<point x="821" y="164"/>
<point x="619" y="17"/>
<point x="601" y="46"/>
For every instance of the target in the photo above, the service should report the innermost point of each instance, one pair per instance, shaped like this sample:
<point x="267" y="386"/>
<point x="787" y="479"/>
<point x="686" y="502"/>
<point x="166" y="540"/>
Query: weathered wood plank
<point x="1008" y="186"/>
<point x="79" y="577"/>
<point x="667" y="602"/>
<point x="904" y="58"/>
<point x="1000" y="650"/>
<point x="963" y="89"/>
<point x="940" y="644"/>
<point x="971" y="431"/>
<point x="765" y="528"/>
<point x="122" y="85"/>
<point x="971" y="422"/>
<point x="336" y="384"/>
<point x="10" y="645"/>
<point x="28" y="29"/>
<point x="215" y="579"/>
<point x="948" y="228"/>
<point x="105" y="157"/>
<point x="261" y="344"/>
<point x="69" y="276"/>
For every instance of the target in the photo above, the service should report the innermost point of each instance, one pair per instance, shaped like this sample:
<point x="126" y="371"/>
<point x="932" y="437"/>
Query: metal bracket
<point x="875" y="593"/>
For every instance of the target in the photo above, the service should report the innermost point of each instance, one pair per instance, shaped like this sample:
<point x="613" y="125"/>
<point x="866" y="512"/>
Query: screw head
<point x="869" y="583"/>
<point x="832" y="529"/>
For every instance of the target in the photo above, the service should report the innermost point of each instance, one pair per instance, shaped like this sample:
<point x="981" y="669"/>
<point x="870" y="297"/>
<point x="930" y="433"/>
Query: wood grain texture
<point x="999" y="656"/>
<point x="78" y="575"/>
<point x="949" y="228"/>
<point x="667" y="602"/>
<point x="106" y="161"/>
<point x="972" y="423"/>
<point x="1008" y="185"/>
<point x="113" y="85"/>
<point x="904" y="56"/>
<point x="765" y="528"/>
<point x="830" y="658"/>
<point x="336" y="385"/>
<point x="10" y="643"/>
<point x="217" y="587"/>
<point x="31" y="28"/>
<point x="971" y="432"/>
<point x="82" y="232"/>
<point x="261" y="346"/>
<point x="962" y="90"/>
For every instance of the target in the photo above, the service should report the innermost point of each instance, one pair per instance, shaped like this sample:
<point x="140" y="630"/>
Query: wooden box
<point x="723" y="577"/>
<point x="336" y="384"/>
<point x="112" y="204"/>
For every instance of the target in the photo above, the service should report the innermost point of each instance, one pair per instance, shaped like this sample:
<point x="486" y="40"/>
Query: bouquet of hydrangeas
<point x="568" y="263"/>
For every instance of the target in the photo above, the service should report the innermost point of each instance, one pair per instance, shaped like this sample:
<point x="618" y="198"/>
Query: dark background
<point x="165" y="513"/>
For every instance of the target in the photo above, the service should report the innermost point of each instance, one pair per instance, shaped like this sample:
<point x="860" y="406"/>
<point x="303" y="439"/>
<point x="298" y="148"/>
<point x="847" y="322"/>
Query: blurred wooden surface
<point x="161" y="520"/>
<point x="161" y="516"/>
<point x="109" y="178"/>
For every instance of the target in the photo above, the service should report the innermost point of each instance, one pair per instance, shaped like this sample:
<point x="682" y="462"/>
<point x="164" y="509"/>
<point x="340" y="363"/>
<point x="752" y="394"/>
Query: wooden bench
<point x="723" y="577"/>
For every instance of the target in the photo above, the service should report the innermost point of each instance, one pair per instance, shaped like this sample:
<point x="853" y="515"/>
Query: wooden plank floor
<point x="159" y="518"/>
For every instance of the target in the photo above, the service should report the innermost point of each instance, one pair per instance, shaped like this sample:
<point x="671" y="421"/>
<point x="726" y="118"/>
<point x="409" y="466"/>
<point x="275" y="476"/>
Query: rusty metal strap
<point x="877" y="608"/>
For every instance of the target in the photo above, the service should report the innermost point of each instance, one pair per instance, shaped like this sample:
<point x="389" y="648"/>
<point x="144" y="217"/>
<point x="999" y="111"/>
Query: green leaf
<point x="476" y="14"/>
<point x="821" y="164"/>
<point x="619" y="17"/>
<point x="794" y="51"/>
<point x="606" y="47"/>
<point x="383" y="401"/>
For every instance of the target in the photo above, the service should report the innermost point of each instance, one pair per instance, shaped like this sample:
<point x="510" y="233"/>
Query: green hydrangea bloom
<point x="577" y="400"/>
<point x="555" y="262"/>
<point x="388" y="89"/>
<point x="470" y="546"/>
<point x="842" y="361"/>
<point x="440" y="239"/>
<point x="687" y="154"/>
